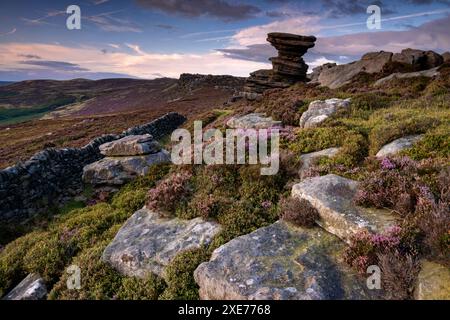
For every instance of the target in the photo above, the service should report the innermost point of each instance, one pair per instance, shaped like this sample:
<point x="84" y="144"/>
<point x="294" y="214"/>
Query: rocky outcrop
<point x="314" y="76"/>
<point x="332" y="196"/>
<point x="308" y="159"/>
<point x="433" y="282"/>
<point x="318" y="111"/>
<point x="425" y="73"/>
<point x="446" y="57"/>
<point x="375" y="62"/>
<point x="192" y="82"/>
<point x="287" y="68"/>
<point x="31" y="288"/>
<point x="53" y="175"/>
<point x="340" y="75"/>
<point x="398" y="145"/>
<point x="147" y="243"/>
<point x="280" y="262"/>
<point x="252" y="121"/>
<point x="421" y="59"/>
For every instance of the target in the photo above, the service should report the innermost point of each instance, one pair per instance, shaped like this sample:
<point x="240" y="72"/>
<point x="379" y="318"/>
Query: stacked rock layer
<point x="288" y="67"/>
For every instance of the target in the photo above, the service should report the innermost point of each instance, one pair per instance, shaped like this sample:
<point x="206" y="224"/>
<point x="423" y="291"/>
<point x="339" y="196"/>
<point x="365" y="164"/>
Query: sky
<point x="163" y="38"/>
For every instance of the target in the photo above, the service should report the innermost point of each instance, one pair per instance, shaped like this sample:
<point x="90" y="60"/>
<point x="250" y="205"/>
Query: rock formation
<point x="374" y="62"/>
<point x="288" y="67"/>
<point x="147" y="243"/>
<point x="126" y="159"/>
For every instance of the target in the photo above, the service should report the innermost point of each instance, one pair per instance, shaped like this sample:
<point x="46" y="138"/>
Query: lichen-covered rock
<point x="308" y="159"/>
<point x="318" y="111"/>
<point x="332" y="196"/>
<point x="433" y="282"/>
<point x="131" y="146"/>
<point x="280" y="262"/>
<point x="252" y="121"/>
<point x="398" y="145"/>
<point x="31" y="288"/>
<point x="147" y="243"/>
<point x="430" y="73"/>
<point x="120" y="170"/>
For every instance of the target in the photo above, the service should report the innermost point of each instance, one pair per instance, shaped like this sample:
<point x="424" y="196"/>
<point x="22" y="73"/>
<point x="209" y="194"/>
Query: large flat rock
<point x="433" y="282"/>
<point x="131" y="146"/>
<point x="120" y="170"/>
<point x="332" y="196"/>
<point x="398" y="145"/>
<point x="280" y="262"/>
<point x="31" y="288"/>
<point x="147" y="243"/>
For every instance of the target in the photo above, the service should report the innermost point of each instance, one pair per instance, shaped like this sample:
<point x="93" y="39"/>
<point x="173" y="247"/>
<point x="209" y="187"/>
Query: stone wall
<point x="54" y="174"/>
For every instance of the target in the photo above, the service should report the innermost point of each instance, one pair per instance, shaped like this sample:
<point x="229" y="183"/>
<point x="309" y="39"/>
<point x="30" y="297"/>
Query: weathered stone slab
<point x="426" y="73"/>
<point x="30" y="288"/>
<point x="131" y="146"/>
<point x="433" y="282"/>
<point x="120" y="170"/>
<point x="309" y="158"/>
<point x="332" y="196"/>
<point x="252" y="121"/>
<point x="280" y="262"/>
<point x="318" y="111"/>
<point x="398" y="145"/>
<point x="147" y="243"/>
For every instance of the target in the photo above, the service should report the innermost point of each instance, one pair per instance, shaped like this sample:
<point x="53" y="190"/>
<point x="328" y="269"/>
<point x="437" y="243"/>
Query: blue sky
<point x="154" y="38"/>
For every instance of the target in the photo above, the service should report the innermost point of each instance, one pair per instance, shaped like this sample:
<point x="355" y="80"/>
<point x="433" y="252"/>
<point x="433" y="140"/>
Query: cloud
<point x="252" y="46"/>
<point x="55" y="65"/>
<point x="29" y="56"/>
<point x="137" y="63"/>
<point x="258" y="34"/>
<point x="9" y="32"/>
<point x="165" y="26"/>
<point x="98" y="2"/>
<point x="221" y="9"/>
<point x="108" y="22"/>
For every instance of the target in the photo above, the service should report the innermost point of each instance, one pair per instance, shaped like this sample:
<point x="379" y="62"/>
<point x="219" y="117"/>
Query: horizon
<point x="149" y="39"/>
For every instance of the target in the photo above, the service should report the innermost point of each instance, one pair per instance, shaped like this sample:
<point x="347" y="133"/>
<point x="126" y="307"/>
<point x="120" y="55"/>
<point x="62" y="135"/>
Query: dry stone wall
<point x="52" y="175"/>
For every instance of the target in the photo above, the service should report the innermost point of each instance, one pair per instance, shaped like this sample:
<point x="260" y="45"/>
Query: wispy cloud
<point x="14" y="30"/>
<point x="108" y="22"/>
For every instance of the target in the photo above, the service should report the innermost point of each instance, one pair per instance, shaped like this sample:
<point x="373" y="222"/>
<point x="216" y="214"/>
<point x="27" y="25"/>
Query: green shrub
<point x="98" y="280"/>
<point x="149" y="288"/>
<point x="435" y="143"/>
<point x="180" y="275"/>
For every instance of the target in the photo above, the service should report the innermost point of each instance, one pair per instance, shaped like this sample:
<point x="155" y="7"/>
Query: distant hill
<point x="26" y="100"/>
<point x="5" y="83"/>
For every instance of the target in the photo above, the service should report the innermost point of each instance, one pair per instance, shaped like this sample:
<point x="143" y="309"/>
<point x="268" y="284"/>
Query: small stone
<point x="131" y="146"/>
<point x="308" y="159"/>
<point x="252" y="121"/>
<point x="31" y="288"/>
<point x="398" y="145"/>
<point x="318" y="111"/>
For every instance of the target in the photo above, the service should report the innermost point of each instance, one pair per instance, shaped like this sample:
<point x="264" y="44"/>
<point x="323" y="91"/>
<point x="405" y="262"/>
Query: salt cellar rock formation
<point x="288" y="67"/>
